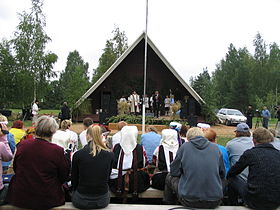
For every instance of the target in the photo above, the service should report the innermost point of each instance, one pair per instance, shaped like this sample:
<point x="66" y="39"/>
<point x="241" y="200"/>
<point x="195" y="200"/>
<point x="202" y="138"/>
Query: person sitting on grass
<point x="17" y="130"/>
<point x="196" y="173"/>
<point x="87" y="122"/>
<point x="262" y="188"/>
<point x="163" y="157"/>
<point x="210" y="134"/>
<point x="150" y="141"/>
<point x="91" y="169"/>
<point x="128" y="173"/>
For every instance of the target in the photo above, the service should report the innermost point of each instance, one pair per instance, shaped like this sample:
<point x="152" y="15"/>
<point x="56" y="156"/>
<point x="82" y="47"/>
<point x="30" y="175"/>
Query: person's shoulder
<point x="54" y="147"/>
<point x="107" y="153"/>
<point x="83" y="133"/>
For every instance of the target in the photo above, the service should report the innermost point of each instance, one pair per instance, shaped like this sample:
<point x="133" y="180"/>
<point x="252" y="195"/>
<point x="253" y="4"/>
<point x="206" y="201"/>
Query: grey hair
<point x="193" y="132"/>
<point x="46" y="126"/>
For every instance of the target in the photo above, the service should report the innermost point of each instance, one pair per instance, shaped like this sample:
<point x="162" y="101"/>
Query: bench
<point x="69" y="206"/>
<point x="149" y="193"/>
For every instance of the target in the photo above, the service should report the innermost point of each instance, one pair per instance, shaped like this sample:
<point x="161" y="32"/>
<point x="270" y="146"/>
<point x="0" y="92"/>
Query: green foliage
<point x="74" y="79"/>
<point x="114" y="48"/>
<point x="241" y="79"/>
<point x="7" y="72"/>
<point x="25" y="65"/>
<point x="209" y="115"/>
<point x="29" y="44"/>
<point x="132" y="119"/>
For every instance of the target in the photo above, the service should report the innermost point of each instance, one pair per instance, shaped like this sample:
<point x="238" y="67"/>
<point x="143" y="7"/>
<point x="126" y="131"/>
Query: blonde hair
<point x="152" y="128"/>
<point x="65" y="124"/>
<point x="193" y="132"/>
<point x="121" y="124"/>
<point x="3" y="118"/>
<point x="96" y="145"/>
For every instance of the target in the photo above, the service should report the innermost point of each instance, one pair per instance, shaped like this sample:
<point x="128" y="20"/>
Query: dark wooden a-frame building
<point x="126" y="75"/>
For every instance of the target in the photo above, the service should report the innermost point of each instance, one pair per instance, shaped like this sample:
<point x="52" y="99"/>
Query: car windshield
<point x="234" y="112"/>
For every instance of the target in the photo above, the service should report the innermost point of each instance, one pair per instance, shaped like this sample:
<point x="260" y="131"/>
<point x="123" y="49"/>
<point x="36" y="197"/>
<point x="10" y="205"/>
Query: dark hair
<point x="87" y="122"/>
<point x="183" y="131"/>
<point x="240" y="134"/>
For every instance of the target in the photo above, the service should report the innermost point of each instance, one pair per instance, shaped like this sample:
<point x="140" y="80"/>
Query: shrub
<point x="208" y="114"/>
<point x="132" y="119"/>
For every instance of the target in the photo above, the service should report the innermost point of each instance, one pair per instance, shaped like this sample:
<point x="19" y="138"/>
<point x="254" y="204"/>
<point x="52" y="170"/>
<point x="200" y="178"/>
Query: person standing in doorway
<point x="265" y="115"/>
<point x="156" y="103"/>
<point x="250" y="115"/>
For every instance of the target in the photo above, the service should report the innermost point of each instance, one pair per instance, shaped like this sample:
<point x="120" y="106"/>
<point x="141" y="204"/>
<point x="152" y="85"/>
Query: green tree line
<point x="27" y="68"/>
<point x="242" y="78"/>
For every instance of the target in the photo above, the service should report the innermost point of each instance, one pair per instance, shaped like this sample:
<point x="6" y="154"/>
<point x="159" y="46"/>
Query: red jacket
<point x="40" y="170"/>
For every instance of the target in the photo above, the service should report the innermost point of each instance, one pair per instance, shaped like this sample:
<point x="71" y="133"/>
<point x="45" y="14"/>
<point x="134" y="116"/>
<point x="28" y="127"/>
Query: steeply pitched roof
<point x="123" y="56"/>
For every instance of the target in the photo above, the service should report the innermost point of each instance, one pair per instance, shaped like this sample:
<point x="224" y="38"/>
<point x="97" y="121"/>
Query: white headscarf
<point x="128" y="140"/>
<point x="169" y="138"/>
<point x="170" y="144"/>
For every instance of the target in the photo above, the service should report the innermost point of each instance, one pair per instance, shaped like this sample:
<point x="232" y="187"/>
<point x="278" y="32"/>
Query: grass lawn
<point x="28" y="123"/>
<point x="222" y="140"/>
<point x="43" y="111"/>
<point x="272" y="122"/>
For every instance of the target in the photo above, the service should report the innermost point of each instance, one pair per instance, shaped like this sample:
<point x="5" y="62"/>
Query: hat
<point x="203" y="125"/>
<point x="175" y="125"/>
<point x="242" y="127"/>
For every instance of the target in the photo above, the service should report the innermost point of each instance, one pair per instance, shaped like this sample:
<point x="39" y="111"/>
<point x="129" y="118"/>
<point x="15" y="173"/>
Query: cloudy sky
<point x="191" y="34"/>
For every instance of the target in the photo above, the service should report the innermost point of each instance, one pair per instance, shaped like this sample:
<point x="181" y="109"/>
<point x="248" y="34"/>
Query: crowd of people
<point x="186" y="163"/>
<point x="156" y="103"/>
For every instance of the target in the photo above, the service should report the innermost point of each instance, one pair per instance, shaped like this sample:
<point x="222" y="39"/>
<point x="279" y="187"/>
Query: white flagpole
<point x="145" y="72"/>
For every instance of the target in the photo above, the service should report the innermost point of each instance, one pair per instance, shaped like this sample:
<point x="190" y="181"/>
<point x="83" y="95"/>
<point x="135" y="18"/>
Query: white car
<point x="231" y="116"/>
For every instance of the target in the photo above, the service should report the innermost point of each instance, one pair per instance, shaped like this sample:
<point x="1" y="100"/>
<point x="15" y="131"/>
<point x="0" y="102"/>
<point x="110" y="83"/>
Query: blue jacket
<point x="225" y="157"/>
<point x="150" y="141"/>
<point x="265" y="113"/>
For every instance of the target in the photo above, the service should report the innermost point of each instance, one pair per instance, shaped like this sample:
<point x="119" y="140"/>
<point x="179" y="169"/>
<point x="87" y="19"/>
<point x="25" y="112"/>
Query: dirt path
<point x="221" y="130"/>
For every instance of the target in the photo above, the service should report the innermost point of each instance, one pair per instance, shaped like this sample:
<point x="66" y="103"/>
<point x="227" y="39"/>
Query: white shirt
<point x="83" y="137"/>
<point x="35" y="109"/>
<point x="116" y="138"/>
<point x="65" y="138"/>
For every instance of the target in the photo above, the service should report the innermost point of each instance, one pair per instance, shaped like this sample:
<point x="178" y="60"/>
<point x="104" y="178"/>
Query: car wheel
<point x="228" y="122"/>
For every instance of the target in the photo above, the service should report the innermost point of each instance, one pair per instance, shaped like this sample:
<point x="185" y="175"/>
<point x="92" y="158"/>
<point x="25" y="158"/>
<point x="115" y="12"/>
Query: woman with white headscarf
<point x="163" y="156"/>
<point x="128" y="173"/>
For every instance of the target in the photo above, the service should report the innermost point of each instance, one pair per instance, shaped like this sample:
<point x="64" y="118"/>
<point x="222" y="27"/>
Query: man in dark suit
<point x="250" y="115"/>
<point x="157" y="100"/>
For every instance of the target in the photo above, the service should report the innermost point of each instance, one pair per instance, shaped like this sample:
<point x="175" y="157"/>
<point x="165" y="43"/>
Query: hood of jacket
<point x="200" y="142"/>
